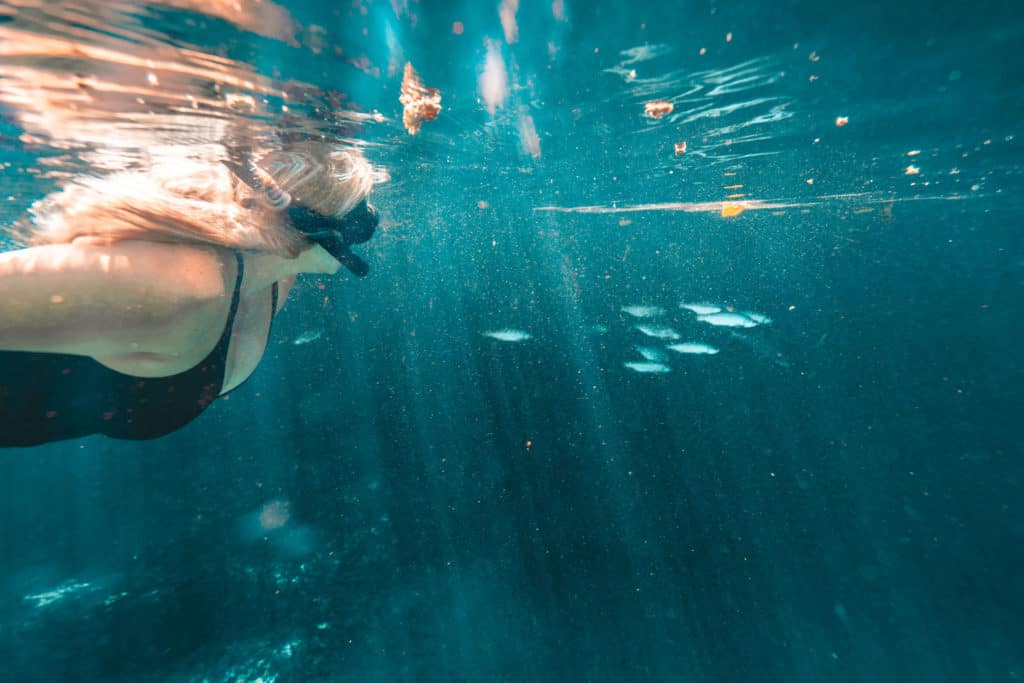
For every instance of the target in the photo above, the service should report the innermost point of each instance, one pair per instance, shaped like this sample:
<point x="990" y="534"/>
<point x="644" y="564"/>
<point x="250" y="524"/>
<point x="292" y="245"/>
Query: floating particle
<point x="912" y="170"/>
<point x="703" y="51"/>
<point x="527" y="445"/>
<point x="658" y="108"/>
<point x="680" y="148"/>
<point x="483" y="204"/>
<point x="842" y="121"/>
<point x="625" y="222"/>
<point x="457" y="28"/>
<point x="913" y="152"/>
<point x="730" y="209"/>
<point x="728" y="37"/>
<point x="810" y="181"/>
<point x="421" y="103"/>
<point x="813" y="57"/>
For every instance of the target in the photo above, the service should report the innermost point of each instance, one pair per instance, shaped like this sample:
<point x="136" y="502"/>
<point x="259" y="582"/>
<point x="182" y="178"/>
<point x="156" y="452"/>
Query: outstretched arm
<point x="101" y="300"/>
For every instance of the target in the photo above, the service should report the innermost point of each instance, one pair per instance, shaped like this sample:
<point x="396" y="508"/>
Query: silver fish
<point x="702" y="308"/>
<point x="648" y="368"/>
<point x="307" y="337"/>
<point x="759" y="318"/>
<point x="508" y="335"/>
<point x="694" y="347"/>
<point x="652" y="353"/>
<point x="643" y="311"/>
<point x="658" y="331"/>
<point x="727" y="320"/>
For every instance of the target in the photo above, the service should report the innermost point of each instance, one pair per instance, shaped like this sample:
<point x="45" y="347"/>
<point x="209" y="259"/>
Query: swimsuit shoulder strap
<point x="221" y="350"/>
<point x="236" y="297"/>
<point x="273" y="309"/>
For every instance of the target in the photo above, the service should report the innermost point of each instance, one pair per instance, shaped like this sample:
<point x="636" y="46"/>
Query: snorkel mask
<point x="335" y="235"/>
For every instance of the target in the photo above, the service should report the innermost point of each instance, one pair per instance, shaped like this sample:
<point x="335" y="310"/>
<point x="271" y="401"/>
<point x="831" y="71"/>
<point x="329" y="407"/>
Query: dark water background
<point x="838" y="498"/>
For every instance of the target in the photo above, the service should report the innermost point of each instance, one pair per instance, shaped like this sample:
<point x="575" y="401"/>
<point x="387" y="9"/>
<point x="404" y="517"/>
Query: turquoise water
<point x="833" y="495"/>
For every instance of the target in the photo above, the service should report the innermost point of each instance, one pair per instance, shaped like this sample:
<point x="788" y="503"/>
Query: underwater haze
<point x="690" y="351"/>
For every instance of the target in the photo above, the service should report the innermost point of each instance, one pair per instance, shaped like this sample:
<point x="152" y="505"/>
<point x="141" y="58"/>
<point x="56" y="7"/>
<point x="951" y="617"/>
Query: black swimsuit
<point x="48" y="397"/>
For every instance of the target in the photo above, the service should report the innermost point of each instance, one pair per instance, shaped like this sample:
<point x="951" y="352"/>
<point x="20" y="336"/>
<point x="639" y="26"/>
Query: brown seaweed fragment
<point x="421" y="103"/>
<point x="658" y="108"/>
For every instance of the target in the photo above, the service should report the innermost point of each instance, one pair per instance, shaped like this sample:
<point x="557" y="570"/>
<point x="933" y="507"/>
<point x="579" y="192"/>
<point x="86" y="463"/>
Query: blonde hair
<point x="331" y="183"/>
<point x="203" y="202"/>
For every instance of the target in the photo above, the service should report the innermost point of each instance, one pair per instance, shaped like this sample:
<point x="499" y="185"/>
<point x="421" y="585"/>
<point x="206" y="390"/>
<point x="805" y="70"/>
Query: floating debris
<point x="508" y="335"/>
<point x="702" y="308"/>
<point x="643" y="311"/>
<point x="647" y="368"/>
<point x="730" y="209"/>
<point x="658" y="331"/>
<point x="681" y="148"/>
<point x="912" y="170"/>
<point x="307" y="337"/>
<point x="658" y="108"/>
<point x="652" y="354"/>
<point x="694" y="348"/>
<point x="727" y="320"/>
<point x="842" y="121"/>
<point x="421" y="103"/>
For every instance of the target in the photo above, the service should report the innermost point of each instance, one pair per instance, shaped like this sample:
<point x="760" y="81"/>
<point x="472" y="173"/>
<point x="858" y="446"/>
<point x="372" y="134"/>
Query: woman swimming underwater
<point x="146" y="295"/>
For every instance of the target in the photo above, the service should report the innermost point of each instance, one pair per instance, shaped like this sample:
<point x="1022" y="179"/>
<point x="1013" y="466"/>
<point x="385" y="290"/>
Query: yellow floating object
<point x="731" y="209"/>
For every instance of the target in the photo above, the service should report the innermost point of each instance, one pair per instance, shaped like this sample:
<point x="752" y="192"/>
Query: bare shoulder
<point x="99" y="299"/>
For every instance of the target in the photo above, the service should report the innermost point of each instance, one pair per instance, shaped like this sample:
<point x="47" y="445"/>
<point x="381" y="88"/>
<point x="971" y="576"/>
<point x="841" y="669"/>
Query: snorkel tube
<point x="335" y="235"/>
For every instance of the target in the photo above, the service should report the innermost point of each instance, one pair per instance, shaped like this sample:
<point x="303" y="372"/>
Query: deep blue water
<point x="835" y="496"/>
